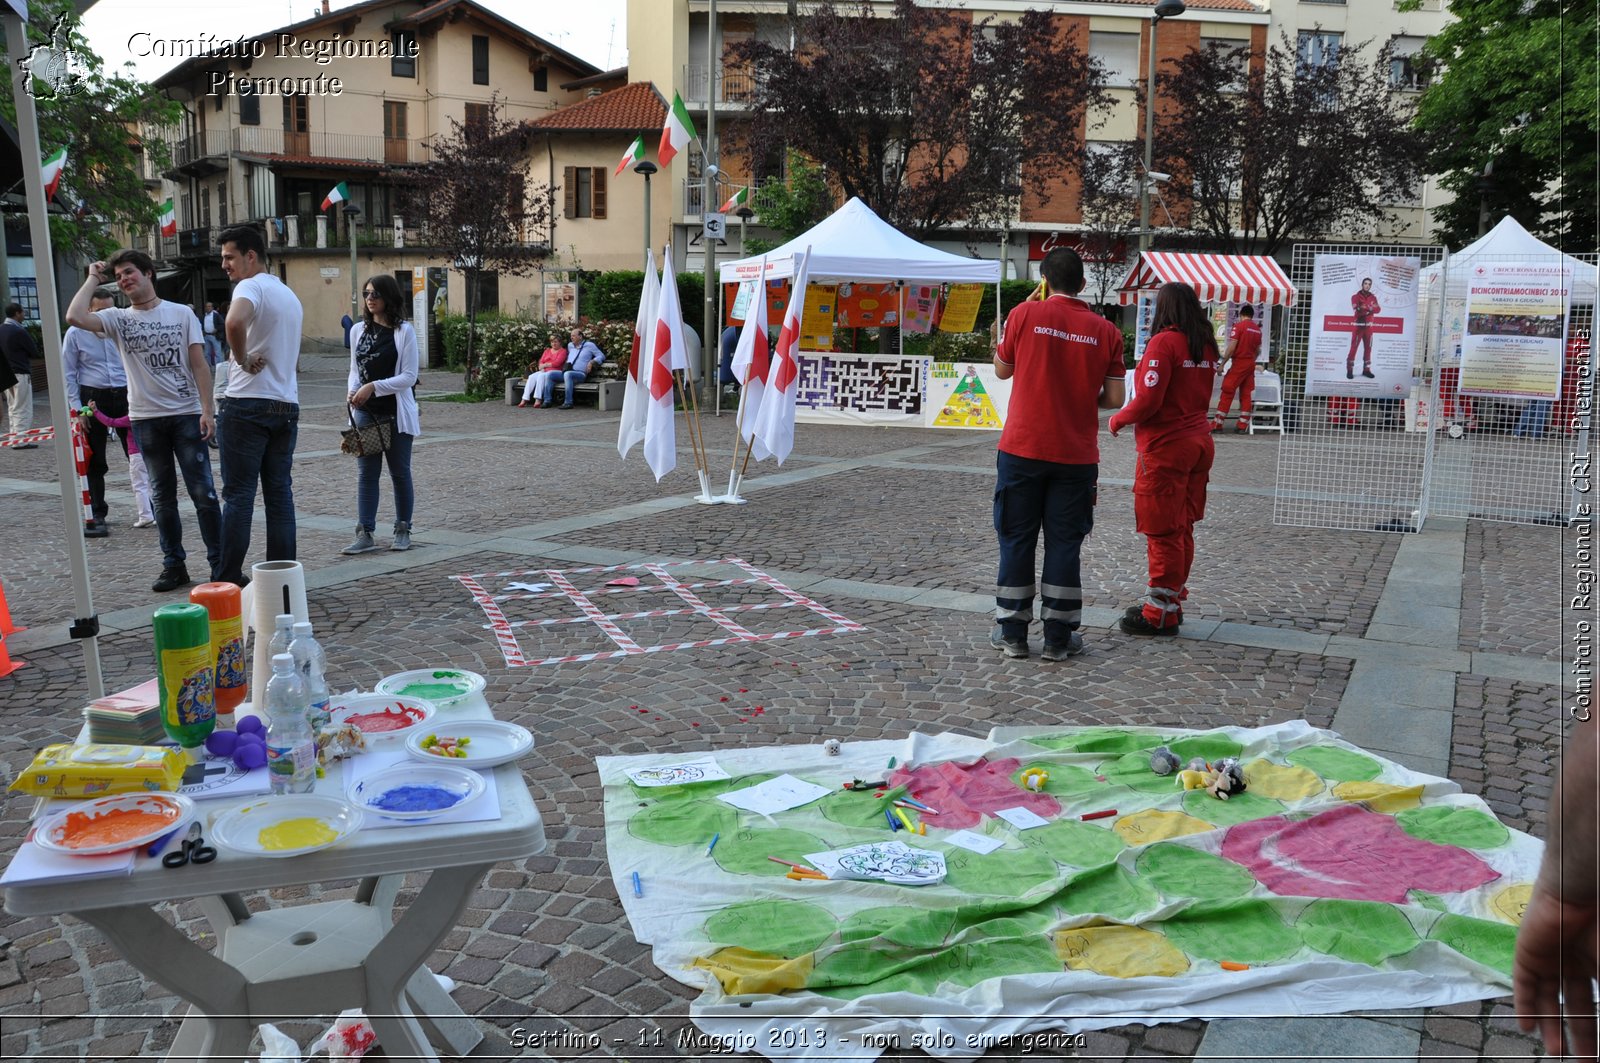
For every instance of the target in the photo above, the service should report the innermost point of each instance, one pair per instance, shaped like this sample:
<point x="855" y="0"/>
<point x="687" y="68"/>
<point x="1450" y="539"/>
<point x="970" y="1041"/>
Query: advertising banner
<point x="1363" y="326"/>
<point x="1515" y="330"/>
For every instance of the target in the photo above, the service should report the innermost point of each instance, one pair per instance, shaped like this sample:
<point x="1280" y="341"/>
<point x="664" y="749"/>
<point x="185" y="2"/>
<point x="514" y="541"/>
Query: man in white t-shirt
<point x="211" y="327"/>
<point x="259" y="414"/>
<point x="169" y="400"/>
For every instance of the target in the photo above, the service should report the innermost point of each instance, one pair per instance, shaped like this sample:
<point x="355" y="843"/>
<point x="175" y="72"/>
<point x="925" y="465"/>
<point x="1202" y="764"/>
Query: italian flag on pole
<point x="52" y="172"/>
<point x="677" y="133"/>
<point x="634" y="154"/>
<point x="340" y="193"/>
<point x="169" y="219"/>
<point x="735" y="201"/>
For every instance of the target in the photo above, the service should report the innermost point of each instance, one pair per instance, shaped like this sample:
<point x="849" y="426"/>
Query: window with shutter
<point x="569" y="187"/>
<point x="597" y="192"/>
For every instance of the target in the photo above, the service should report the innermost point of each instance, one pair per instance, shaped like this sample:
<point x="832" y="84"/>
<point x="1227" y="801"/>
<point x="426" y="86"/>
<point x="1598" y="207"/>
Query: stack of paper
<point x="129" y="717"/>
<point x="33" y="866"/>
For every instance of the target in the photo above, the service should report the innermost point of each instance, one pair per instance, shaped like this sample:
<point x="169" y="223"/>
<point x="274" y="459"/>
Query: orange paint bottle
<point x="221" y="601"/>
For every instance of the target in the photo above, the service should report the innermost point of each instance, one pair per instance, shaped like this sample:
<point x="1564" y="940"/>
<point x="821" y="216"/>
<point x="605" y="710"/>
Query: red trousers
<point x="1241" y="377"/>
<point x="1360" y="336"/>
<point x="1169" y="498"/>
<point x="1343" y="409"/>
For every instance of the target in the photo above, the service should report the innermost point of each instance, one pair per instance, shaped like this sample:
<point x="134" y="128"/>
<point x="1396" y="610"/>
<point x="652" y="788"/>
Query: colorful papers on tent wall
<point x="777" y="302"/>
<point x="816" y="323"/>
<point x="868" y="306"/>
<point x="921" y="300"/>
<point x="743" y="292"/>
<point x="961" y="308"/>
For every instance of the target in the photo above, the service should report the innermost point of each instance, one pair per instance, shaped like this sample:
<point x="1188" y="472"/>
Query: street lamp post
<point x="646" y="167"/>
<point x="745" y="214"/>
<point x="1165" y="9"/>
<point x="351" y="213"/>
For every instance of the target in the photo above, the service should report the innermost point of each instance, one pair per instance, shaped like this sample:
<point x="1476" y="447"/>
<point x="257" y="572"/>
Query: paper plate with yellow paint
<point x="286" y="825"/>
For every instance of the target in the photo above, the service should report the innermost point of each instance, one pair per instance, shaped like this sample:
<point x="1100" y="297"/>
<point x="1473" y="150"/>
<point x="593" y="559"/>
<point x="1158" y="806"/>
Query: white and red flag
<point x="667" y="354"/>
<point x="752" y="359"/>
<point x="636" y="397"/>
<point x="775" y="425"/>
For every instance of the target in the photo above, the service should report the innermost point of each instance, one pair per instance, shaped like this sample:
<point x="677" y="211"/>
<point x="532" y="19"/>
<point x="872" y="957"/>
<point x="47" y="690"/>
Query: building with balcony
<point x="357" y="95"/>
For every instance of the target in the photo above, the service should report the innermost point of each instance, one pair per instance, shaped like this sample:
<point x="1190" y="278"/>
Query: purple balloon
<point x="250" y="755"/>
<point x="250" y="725"/>
<point x="221" y="743"/>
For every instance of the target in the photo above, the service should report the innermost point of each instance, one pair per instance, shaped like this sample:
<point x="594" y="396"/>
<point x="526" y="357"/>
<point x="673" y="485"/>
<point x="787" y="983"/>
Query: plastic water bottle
<point x="282" y="634"/>
<point x="312" y="664"/>
<point x="291" y="749"/>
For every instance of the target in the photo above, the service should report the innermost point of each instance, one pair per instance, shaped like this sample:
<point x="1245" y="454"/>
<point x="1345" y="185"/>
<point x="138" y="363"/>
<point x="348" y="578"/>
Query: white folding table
<point x="310" y="959"/>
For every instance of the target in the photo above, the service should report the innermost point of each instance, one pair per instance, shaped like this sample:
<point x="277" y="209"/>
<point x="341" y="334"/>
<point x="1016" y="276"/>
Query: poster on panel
<point x="966" y="395"/>
<point x="1363" y="326"/>
<point x="1515" y="330"/>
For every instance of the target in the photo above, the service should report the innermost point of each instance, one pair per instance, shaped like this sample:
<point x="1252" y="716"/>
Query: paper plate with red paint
<point x="112" y="824"/>
<point x="383" y="719"/>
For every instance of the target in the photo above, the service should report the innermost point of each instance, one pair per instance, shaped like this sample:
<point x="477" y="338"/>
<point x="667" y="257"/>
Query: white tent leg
<point x="86" y="625"/>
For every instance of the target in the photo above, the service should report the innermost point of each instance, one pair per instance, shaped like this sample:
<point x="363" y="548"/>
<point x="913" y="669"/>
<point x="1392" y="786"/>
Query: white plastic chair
<point x="1266" y="404"/>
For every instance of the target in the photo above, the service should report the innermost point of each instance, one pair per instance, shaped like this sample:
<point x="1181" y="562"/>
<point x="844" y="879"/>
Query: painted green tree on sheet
<point x="1331" y="855"/>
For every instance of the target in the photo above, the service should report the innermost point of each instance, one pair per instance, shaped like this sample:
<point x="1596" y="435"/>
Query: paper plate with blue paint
<point x="415" y="792"/>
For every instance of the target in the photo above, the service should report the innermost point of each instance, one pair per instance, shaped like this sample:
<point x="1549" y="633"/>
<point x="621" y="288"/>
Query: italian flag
<point x="169" y="219"/>
<point x="52" y="173"/>
<point x="340" y="193"/>
<point x="634" y="154"/>
<point x="735" y="201"/>
<point x="677" y="133"/>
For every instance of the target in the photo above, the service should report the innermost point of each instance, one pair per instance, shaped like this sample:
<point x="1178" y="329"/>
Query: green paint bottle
<point x="185" y="668"/>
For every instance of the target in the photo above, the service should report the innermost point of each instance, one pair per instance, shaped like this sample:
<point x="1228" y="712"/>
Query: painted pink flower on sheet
<point x="1350" y="853"/>
<point x="965" y="793"/>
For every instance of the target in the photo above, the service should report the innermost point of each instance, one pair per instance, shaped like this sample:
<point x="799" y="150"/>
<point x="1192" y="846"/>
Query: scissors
<point x="194" y="850"/>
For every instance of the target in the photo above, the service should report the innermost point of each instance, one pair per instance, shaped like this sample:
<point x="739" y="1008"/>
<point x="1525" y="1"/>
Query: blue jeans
<point x="171" y="444"/>
<point x="1030" y="495"/>
<point x="258" y="437"/>
<point x="367" y="474"/>
<point x="569" y="380"/>
<point x="1534" y="417"/>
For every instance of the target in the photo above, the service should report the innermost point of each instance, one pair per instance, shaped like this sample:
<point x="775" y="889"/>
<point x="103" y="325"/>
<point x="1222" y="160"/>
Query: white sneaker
<point x="145" y="522"/>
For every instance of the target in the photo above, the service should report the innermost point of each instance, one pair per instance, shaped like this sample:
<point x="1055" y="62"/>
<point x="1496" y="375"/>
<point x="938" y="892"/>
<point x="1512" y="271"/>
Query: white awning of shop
<point x="1214" y="278"/>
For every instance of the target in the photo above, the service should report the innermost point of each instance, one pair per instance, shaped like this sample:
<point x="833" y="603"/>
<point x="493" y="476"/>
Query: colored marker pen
<point x="638" y="890"/>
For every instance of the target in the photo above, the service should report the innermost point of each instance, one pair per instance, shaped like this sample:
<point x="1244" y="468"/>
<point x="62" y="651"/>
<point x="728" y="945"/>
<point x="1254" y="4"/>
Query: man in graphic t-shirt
<point x="169" y="400"/>
<point x="1067" y="365"/>
<point x="260" y="412"/>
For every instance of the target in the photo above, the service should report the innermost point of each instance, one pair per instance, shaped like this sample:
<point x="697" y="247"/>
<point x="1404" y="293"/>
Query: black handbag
<point x="367" y="440"/>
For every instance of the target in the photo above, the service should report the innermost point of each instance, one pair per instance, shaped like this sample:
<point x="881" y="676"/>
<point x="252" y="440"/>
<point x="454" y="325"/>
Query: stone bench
<point x="607" y="393"/>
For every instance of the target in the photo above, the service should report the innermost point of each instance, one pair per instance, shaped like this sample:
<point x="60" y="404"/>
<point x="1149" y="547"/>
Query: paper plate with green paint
<point x="442" y="686"/>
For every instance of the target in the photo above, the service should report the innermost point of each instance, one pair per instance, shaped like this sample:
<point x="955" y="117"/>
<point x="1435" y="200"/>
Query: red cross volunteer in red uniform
<point x="1065" y="363"/>
<point x="1243" y="347"/>
<point x="1172" y="390"/>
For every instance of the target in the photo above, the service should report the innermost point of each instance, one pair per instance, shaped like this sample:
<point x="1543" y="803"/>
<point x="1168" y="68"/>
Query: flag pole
<point x="702" y="460"/>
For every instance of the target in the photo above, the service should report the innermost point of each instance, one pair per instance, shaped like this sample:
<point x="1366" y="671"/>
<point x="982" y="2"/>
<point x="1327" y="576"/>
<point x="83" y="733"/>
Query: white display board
<point x="1363" y="321"/>
<point x="1515" y="330"/>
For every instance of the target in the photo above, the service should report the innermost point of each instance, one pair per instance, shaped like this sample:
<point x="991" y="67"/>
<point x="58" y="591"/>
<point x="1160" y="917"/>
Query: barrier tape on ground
<point x="504" y="629"/>
<point x="795" y="596"/>
<point x="517" y="596"/>
<point x="32" y="435"/>
<point x="650" y="614"/>
<point x="497" y="622"/>
<point x="716" y="615"/>
<point x="594" y="612"/>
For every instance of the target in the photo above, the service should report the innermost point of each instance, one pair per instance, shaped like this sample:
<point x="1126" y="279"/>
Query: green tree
<point x="1516" y="96"/>
<point x="794" y="205"/>
<point x="101" y="117"/>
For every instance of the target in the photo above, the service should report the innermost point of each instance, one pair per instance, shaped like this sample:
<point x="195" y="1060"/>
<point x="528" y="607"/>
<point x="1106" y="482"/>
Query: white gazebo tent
<point x="1506" y="242"/>
<point x="854" y="244"/>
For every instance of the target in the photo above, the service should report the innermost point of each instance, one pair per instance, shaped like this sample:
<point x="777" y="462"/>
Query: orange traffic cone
<point x="7" y="665"/>
<point x="6" y="626"/>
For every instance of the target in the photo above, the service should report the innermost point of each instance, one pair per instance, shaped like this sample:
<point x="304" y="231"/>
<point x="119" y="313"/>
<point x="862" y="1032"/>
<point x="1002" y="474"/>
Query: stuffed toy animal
<point x="1221" y="779"/>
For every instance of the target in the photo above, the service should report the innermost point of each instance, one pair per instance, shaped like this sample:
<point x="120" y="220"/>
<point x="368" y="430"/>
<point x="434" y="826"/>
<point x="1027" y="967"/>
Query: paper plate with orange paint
<point x="112" y="824"/>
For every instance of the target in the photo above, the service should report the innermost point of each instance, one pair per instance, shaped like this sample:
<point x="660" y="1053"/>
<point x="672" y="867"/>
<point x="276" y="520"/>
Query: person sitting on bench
<point x="583" y="357"/>
<point x="543" y="378"/>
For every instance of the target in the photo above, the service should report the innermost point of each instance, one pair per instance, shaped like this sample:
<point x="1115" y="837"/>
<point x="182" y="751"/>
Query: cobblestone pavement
<point x="883" y="517"/>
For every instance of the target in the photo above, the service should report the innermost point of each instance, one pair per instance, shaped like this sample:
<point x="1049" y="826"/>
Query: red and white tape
<point x="32" y="435"/>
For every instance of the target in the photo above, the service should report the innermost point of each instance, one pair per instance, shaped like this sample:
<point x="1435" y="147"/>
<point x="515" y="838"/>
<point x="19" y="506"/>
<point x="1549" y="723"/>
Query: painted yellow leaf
<point x="1283" y="782"/>
<point x="743" y="972"/>
<point x="1155" y="825"/>
<point x="1380" y="796"/>
<point x="1119" y="951"/>
<point x="1510" y="903"/>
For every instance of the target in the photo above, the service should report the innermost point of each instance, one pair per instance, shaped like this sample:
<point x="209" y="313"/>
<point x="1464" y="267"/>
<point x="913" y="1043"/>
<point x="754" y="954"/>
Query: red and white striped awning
<point x="1215" y="278"/>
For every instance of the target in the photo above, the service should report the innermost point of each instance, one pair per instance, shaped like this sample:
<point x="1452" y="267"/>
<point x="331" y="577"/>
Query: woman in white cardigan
<point x="383" y="375"/>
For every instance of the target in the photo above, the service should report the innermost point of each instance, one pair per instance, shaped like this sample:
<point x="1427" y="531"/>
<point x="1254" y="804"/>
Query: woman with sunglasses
<point x="383" y="375"/>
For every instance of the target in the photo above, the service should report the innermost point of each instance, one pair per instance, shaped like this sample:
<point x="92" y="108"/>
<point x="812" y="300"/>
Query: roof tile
<point x="634" y="108"/>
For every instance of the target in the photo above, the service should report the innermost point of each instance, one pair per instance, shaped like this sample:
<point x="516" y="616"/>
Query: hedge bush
<point x="505" y="346"/>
